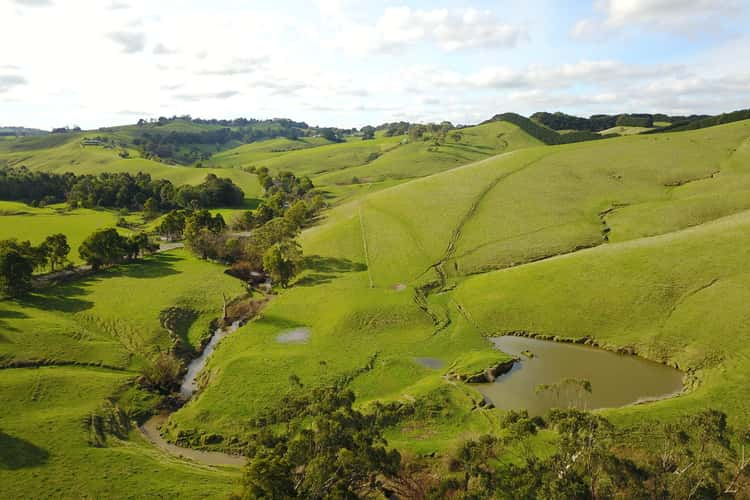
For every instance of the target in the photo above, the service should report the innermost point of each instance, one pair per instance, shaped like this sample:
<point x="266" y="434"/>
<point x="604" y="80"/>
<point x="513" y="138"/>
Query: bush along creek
<point x="179" y="383"/>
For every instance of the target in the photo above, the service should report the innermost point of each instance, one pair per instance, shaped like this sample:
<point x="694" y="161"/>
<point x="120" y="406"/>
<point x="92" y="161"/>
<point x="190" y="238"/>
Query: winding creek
<point x="150" y="429"/>
<point x="616" y="379"/>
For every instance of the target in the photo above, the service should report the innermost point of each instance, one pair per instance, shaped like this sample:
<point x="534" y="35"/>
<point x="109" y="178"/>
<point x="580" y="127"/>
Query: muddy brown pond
<point x="550" y="374"/>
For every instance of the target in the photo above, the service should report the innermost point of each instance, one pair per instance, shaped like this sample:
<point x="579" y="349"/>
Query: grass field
<point x="639" y="241"/>
<point x="624" y="130"/>
<point x="111" y="319"/>
<point x="18" y="220"/>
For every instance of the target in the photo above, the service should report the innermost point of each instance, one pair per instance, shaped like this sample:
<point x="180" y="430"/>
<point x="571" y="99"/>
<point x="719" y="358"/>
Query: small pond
<point x="432" y="363"/>
<point x="615" y="379"/>
<point x="295" y="336"/>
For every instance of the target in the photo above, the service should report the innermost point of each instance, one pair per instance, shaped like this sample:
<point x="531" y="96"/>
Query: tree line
<point x="270" y="246"/>
<point x="316" y="444"/>
<point x="115" y="190"/>
<point x="105" y="247"/>
<point x="157" y="142"/>
<point x="597" y="123"/>
<point x="693" y="123"/>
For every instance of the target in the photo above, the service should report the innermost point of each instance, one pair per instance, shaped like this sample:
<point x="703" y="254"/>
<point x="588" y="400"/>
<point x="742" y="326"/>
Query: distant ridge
<point x="709" y="121"/>
<point x="21" y="131"/>
<point x="547" y="135"/>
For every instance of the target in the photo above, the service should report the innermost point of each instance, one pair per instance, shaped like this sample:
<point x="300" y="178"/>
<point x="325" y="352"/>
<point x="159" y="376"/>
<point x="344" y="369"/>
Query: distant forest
<point x="597" y="123"/>
<point x="115" y="190"/>
<point x="201" y="138"/>
<point x="20" y="132"/>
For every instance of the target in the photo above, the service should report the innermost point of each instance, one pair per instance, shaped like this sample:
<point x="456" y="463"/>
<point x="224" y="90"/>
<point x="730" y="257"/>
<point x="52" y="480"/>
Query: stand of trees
<point x="19" y="259"/>
<point x="696" y="122"/>
<point x="326" y="449"/>
<point x="315" y="445"/>
<point x="21" y="184"/>
<point x="191" y="143"/>
<point x="395" y="128"/>
<point x="692" y="458"/>
<point x="271" y="247"/>
<point x="597" y="123"/>
<point x="115" y="190"/>
<point x="107" y="247"/>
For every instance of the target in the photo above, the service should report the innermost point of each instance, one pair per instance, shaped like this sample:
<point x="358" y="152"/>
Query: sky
<point x="347" y="63"/>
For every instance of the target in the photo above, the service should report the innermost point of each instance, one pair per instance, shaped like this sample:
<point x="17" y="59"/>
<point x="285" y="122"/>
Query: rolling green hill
<point x="381" y="158"/>
<point x="62" y="153"/>
<point x="639" y="242"/>
<point x="504" y="214"/>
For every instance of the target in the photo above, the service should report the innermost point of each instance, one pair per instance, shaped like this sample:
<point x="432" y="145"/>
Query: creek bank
<point x="480" y="367"/>
<point x="151" y="431"/>
<point x="191" y="384"/>
<point x="628" y="350"/>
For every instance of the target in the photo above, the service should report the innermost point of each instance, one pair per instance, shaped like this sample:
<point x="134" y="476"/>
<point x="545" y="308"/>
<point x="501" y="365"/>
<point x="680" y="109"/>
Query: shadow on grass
<point x="280" y="323"/>
<point x="250" y="204"/>
<point x="68" y="297"/>
<point x="65" y="298"/>
<point x="6" y="314"/>
<point x="17" y="454"/>
<point x="156" y="266"/>
<point x="325" y="269"/>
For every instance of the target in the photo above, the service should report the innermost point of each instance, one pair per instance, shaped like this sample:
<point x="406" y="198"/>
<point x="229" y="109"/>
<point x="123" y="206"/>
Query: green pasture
<point x="23" y="222"/>
<point x="639" y="241"/>
<point x="109" y="319"/>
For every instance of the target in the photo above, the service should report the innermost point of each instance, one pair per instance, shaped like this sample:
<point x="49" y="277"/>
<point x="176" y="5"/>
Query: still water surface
<point x="616" y="380"/>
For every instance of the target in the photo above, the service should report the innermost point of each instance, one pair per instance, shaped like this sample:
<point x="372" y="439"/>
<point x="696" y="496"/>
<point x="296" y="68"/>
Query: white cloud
<point x="34" y="3"/>
<point x="684" y="17"/>
<point x="237" y="66"/>
<point x="583" y="73"/>
<point x="399" y="27"/>
<point x="162" y="50"/>
<point x="115" y="5"/>
<point x="7" y="82"/>
<point x="672" y="14"/>
<point x="131" y="42"/>
<point x="225" y="59"/>
<point x="224" y="94"/>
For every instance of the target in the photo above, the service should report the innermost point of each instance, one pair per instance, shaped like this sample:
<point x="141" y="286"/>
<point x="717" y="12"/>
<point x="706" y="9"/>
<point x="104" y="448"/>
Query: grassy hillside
<point x="62" y="153"/>
<point x="358" y="297"/>
<point x="634" y="294"/>
<point x="637" y="241"/>
<point x="112" y="319"/>
<point x="623" y="130"/>
<point x="251" y="154"/>
<point x="381" y="158"/>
